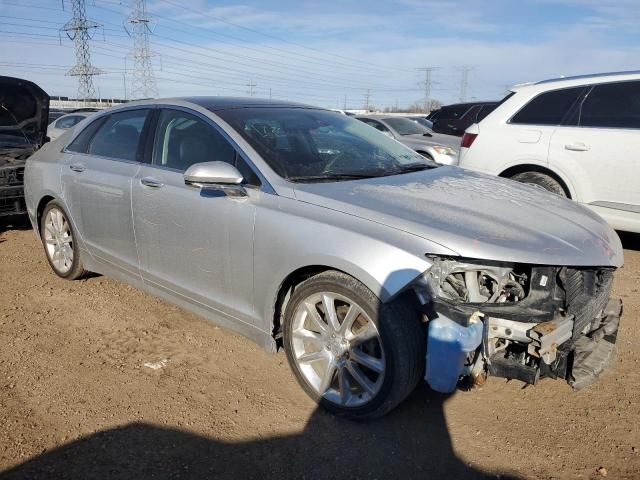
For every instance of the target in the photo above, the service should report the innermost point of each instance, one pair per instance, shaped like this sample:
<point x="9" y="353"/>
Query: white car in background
<point x="64" y="123"/>
<point x="578" y="137"/>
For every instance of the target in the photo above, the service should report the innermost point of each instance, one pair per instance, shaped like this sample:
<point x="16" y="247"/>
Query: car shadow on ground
<point x="13" y="223"/>
<point x="630" y="241"/>
<point x="411" y="442"/>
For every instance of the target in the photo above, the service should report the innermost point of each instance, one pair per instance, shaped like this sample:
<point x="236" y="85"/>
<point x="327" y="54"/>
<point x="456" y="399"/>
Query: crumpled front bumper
<point x="595" y="351"/>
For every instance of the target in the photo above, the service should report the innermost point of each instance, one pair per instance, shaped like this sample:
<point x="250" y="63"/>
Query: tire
<point x="542" y="180"/>
<point x="378" y="359"/>
<point x="58" y="239"/>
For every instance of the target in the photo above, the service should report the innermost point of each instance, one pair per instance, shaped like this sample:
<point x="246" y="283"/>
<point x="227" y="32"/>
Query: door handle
<point x="151" y="182"/>
<point x="577" y="147"/>
<point x="77" y="167"/>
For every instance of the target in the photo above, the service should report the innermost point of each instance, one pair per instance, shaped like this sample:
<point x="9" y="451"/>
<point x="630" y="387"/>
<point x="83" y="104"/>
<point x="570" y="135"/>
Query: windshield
<point x="302" y="144"/>
<point x="404" y="126"/>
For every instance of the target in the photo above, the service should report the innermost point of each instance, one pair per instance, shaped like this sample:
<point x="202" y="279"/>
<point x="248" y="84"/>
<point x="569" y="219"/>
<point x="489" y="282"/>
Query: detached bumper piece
<point x="595" y="351"/>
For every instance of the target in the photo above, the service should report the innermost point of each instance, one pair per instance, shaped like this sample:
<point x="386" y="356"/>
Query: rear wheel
<point x="354" y="355"/>
<point x="58" y="239"/>
<point x="542" y="180"/>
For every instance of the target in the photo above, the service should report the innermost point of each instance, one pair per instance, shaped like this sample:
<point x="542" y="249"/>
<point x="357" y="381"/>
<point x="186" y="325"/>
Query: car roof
<point x="578" y="80"/>
<point x="225" y="103"/>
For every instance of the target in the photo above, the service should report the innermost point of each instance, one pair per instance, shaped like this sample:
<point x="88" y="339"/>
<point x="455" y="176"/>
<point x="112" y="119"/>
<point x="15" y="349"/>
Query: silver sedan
<point x="307" y="230"/>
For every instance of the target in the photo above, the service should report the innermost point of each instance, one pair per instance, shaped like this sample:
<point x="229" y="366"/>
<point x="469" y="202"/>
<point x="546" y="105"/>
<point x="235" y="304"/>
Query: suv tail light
<point x="468" y="139"/>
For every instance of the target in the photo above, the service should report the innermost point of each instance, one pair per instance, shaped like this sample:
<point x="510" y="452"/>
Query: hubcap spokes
<point x="58" y="240"/>
<point x="338" y="349"/>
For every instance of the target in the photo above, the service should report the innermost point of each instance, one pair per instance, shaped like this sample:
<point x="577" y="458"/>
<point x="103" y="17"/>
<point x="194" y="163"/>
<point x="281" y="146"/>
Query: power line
<point x="79" y="29"/>
<point x="144" y="82"/>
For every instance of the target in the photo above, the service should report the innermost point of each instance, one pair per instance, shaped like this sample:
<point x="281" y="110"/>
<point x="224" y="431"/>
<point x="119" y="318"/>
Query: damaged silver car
<point x="24" y="109"/>
<point x="303" y="229"/>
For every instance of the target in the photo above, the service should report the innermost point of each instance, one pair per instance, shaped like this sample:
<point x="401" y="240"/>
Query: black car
<point x="456" y="118"/>
<point x="24" y="111"/>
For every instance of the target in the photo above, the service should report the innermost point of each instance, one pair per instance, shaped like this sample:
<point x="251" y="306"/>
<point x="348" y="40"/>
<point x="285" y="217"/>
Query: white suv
<point x="578" y="137"/>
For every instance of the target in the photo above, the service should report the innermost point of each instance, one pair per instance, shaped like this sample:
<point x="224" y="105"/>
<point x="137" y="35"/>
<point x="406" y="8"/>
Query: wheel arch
<point x="528" y="167"/>
<point x="42" y="203"/>
<point x="384" y="292"/>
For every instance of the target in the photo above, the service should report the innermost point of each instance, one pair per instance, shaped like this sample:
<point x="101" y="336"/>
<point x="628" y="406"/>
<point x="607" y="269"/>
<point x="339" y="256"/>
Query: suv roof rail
<point x="578" y="77"/>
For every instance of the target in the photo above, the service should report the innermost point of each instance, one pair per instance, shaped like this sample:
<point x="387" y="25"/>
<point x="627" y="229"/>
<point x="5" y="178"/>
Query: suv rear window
<point x="548" y="108"/>
<point x="612" y="105"/>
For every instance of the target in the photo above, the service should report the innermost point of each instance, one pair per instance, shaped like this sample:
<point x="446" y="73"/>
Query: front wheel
<point x="354" y="355"/>
<point x="60" y="246"/>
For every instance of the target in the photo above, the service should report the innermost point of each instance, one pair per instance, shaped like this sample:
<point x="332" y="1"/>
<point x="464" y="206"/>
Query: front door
<point x="196" y="243"/>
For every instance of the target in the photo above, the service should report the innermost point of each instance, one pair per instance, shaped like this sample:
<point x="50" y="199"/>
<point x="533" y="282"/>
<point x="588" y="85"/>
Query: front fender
<point x="383" y="259"/>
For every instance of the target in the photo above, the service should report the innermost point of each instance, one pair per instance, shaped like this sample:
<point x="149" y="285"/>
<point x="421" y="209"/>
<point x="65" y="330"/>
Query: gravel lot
<point x="77" y="401"/>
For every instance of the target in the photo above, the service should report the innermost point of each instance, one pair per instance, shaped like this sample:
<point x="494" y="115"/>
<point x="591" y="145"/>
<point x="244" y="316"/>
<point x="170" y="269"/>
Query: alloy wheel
<point x="58" y="240"/>
<point x="338" y="349"/>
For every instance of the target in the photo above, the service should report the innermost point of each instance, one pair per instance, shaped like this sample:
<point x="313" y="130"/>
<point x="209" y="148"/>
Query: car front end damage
<point x="12" y="165"/>
<point x="537" y="321"/>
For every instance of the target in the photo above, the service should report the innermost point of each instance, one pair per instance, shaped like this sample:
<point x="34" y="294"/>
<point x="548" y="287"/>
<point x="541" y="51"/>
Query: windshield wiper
<point x="412" y="167"/>
<point x="332" y="176"/>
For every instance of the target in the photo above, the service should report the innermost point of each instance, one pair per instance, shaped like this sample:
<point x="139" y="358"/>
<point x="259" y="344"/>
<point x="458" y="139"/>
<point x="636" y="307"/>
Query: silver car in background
<point x="304" y="229"/>
<point x="435" y="146"/>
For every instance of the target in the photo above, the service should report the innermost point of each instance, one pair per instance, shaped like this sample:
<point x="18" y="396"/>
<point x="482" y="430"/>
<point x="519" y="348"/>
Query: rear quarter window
<point x="548" y="108"/>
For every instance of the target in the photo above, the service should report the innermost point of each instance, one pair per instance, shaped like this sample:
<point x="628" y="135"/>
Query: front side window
<point x="183" y="139"/>
<point x="548" y="108"/>
<point x="375" y="124"/>
<point x="404" y="126"/>
<point x="303" y="144"/>
<point x="612" y="105"/>
<point x="119" y="136"/>
<point x="68" y="122"/>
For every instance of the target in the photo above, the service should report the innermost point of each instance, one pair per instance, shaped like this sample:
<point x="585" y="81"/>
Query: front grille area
<point x="11" y="176"/>
<point x="588" y="292"/>
<point x="11" y="191"/>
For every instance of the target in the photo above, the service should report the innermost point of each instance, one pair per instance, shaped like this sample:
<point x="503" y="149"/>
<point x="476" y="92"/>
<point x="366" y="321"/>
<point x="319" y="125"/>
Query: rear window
<point x="612" y="105"/>
<point x="548" y="108"/>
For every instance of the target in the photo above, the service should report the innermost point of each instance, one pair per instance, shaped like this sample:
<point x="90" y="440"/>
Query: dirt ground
<point x="77" y="401"/>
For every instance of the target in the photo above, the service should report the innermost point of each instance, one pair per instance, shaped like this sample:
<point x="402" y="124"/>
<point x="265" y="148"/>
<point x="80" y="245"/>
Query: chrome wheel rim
<point x="338" y="350"/>
<point x="58" y="240"/>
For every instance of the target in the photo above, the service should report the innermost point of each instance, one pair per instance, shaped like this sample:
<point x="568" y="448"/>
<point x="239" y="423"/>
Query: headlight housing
<point x="445" y="150"/>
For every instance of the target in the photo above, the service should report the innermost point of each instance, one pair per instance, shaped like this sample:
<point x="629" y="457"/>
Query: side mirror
<point x="212" y="173"/>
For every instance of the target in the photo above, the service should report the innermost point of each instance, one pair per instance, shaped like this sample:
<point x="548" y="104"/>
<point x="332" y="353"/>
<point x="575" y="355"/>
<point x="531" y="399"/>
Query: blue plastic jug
<point x="447" y="347"/>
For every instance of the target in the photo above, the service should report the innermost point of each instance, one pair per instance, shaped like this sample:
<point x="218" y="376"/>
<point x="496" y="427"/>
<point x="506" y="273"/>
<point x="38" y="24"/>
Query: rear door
<point x="599" y="151"/>
<point x="97" y="180"/>
<point x="531" y="128"/>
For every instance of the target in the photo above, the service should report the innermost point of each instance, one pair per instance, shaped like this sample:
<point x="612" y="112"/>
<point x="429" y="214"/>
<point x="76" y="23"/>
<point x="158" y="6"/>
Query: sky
<point x="331" y="53"/>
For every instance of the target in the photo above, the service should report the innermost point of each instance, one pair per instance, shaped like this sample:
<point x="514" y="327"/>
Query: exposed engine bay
<point x="537" y="321"/>
<point x="24" y="112"/>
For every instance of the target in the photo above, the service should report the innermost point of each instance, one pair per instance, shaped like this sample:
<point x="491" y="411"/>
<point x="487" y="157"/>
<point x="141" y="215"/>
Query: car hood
<point x="477" y="216"/>
<point x="24" y="111"/>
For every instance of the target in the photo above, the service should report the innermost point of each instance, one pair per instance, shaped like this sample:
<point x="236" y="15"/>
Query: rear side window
<point x="81" y="143"/>
<point x="119" y="136"/>
<point x="548" y="108"/>
<point x="452" y="111"/>
<point x="612" y="105"/>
